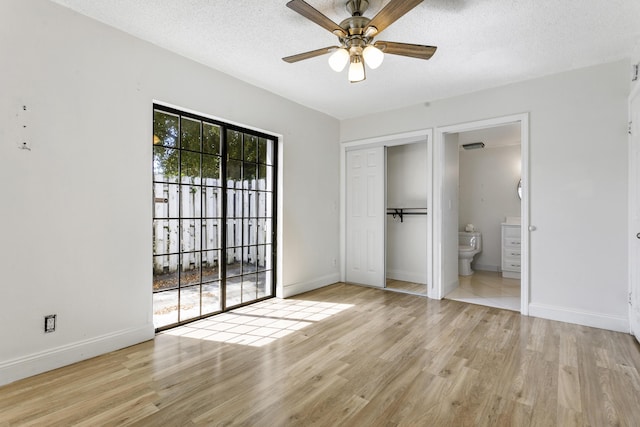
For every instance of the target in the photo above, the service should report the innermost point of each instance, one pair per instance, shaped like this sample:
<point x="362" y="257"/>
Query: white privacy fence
<point x="198" y="234"/>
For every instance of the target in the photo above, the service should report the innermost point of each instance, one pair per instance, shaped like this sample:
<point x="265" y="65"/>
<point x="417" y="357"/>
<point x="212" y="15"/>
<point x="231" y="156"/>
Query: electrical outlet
<point x="50" y="323"/>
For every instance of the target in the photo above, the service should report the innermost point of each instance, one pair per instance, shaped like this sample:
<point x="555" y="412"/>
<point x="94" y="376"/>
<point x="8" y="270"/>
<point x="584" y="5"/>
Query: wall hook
<point x="24" y="146"/>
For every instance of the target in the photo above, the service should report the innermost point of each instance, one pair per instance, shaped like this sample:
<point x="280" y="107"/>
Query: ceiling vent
<point x="473" y="145"/>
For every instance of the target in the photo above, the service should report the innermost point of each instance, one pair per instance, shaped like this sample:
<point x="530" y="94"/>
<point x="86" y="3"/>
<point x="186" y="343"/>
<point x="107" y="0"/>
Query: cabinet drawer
<point x="512" y="242"/>
<point x="511" y="231"/>
<point x="511" y="253"/>
<point x="514" y="252"/>
<point x="511" y="265"/>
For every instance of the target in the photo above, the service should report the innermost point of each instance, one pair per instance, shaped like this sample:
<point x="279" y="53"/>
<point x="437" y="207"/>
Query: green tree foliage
<point x="200" y="143"/>
<point x="200" y="150"/>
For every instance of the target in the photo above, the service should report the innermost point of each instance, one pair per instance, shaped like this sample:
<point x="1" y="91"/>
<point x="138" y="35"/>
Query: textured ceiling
<point x="481" y="44"/>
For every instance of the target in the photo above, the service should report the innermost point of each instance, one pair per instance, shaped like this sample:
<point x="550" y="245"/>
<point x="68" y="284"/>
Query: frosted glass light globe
<point x="356" y="70"/>
<point x="339" y="59"/>
<point x="373" y="56"/>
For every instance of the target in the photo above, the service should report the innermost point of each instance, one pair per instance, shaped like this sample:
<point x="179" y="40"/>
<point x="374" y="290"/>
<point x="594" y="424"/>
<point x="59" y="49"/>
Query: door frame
<point x="634" y="206"/>
<point x="277" y="201"/>
<point x="438" y="211"/>
<point x="404" y="138"/>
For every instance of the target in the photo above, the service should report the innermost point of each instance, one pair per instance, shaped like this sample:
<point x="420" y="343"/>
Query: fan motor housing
<point x="355" y="25"/>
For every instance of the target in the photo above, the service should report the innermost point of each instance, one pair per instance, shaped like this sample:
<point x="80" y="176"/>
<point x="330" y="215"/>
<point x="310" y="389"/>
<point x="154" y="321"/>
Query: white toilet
<point x="469" y="244"/>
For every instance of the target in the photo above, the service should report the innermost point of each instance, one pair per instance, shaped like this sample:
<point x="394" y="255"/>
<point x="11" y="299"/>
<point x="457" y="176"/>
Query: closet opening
<point x="387" y="231"/>
<point x="406" y="222"/>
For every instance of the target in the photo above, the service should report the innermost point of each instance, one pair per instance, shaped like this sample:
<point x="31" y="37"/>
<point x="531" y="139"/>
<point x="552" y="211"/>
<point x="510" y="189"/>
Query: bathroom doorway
<point x="481" y="186"/>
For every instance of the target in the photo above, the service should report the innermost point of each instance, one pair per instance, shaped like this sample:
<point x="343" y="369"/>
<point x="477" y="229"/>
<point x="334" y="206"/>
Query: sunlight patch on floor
<point x="259" y="324"/>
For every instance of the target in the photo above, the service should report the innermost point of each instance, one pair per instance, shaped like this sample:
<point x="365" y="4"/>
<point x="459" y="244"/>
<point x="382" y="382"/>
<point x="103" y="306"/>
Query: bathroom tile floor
<point x="488" y="288"/>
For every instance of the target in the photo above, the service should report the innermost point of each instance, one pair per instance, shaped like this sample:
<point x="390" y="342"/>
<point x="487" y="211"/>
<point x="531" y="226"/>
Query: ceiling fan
<point x="356" y="35"/>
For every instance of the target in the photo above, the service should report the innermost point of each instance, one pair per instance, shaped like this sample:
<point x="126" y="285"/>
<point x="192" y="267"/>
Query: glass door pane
<point x="249" y="217"/>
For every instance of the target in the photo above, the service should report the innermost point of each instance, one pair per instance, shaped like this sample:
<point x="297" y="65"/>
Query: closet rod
<point x="401" y="212"/>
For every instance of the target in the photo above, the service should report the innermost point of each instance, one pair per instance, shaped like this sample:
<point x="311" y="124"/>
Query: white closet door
<point x="365" y="217"/>
<point x="634" y="205"/>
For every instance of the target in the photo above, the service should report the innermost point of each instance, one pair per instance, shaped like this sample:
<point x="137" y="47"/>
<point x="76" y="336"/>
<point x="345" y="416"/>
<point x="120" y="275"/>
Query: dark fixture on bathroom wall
<point x="473" y="145"/>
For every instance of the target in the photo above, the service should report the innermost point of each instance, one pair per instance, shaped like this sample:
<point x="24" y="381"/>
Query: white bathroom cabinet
<point x="511" y="251"/>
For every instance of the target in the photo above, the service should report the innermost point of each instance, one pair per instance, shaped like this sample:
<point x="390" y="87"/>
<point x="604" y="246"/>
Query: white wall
<point x="578" y="182"/>
<point x="635" y="59"/>
<point x="488" y="182"/>
<point x="407" y="187"/>
<point x="77" y="209"/>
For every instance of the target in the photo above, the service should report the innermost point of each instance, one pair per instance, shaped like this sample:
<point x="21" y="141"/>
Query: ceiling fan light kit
<point x="373" y="56"/>
<point x="339" y="59"/>
<point x="356" y="35"/>
<point x="356" y="69"/>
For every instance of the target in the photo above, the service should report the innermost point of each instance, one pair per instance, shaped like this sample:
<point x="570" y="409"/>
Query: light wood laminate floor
<point x="403" y="286"/>
<point x="350" y="356"/>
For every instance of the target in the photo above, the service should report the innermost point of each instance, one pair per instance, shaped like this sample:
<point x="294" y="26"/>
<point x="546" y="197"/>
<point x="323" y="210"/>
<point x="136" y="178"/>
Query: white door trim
<point x="388" y="141"/>
<point x="632" y="228"/>
<point x="438" y="179"/>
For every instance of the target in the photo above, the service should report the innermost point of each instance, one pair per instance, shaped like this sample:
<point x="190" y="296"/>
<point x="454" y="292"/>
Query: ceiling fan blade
<point x="391" y="12"/>
<point x="309" y="12"/>
<point x="406" y="49"/>
<point x="311" y="54"/>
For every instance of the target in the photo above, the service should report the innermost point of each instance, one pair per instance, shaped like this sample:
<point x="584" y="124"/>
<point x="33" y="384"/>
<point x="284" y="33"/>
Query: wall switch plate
<point x="50" y="323"/>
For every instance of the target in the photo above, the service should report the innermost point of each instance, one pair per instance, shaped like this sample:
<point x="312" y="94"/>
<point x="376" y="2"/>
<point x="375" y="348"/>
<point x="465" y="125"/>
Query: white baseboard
<point x="37" y="363"/>
<point x="302" y="287"/>
<point x="406" y="276"/>
<point x="485" y="267"/>
<point x="596" y="320"/>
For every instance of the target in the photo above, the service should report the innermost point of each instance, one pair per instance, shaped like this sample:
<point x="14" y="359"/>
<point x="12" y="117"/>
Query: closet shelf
<point x="401" y="212"/>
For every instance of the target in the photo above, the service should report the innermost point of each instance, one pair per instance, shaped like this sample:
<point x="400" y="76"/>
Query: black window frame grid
<point x="222" y="216"/>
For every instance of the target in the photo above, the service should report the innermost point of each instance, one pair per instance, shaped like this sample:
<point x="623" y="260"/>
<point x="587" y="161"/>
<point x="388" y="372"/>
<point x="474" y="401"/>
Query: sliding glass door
<point x="214" y="217"/>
